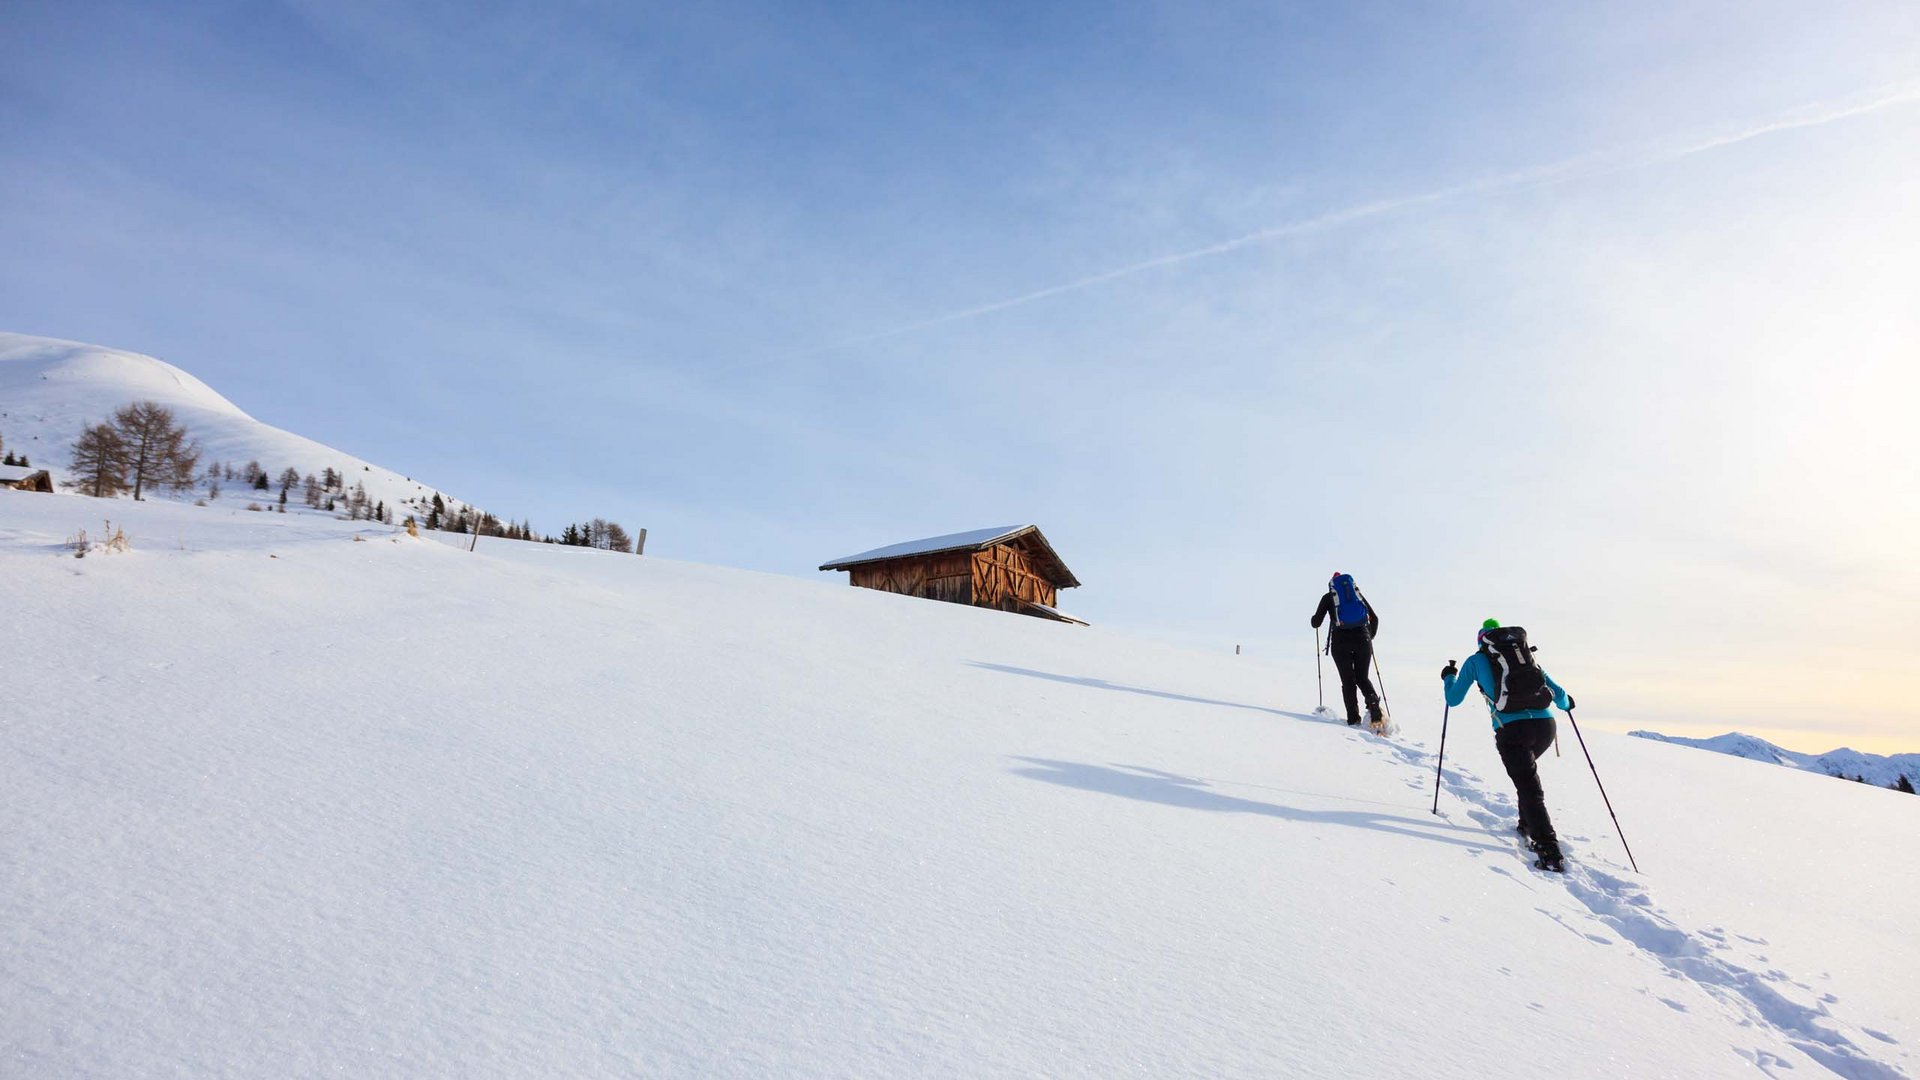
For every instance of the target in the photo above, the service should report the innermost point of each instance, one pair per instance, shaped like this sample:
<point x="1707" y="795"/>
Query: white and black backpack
<point x="1518" y="682"/>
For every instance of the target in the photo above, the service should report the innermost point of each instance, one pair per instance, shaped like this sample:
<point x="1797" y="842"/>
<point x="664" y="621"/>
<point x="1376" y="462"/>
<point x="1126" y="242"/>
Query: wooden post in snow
<point x="640" y="543"/>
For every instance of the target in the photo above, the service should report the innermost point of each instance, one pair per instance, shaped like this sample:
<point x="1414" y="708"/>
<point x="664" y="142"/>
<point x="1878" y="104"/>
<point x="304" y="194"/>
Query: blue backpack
<point x="1348" y="609"/>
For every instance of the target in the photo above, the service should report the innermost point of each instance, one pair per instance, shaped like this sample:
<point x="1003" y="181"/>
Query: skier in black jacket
<point x="1350" y="643"/>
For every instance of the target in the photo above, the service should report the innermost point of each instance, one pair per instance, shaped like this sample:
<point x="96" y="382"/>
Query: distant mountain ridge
<point x="1880" y="769"/>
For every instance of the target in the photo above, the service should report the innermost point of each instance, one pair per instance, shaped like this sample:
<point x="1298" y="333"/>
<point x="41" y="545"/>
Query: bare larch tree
<point x="158" y="452"/>
<point x="99" y="463"/>
<point x="608" y="536"/>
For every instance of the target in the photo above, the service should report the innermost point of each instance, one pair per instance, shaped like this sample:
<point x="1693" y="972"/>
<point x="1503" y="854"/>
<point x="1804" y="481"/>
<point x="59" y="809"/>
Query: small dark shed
<point x="25" y="479"/>
<point x="1011" y="568"/>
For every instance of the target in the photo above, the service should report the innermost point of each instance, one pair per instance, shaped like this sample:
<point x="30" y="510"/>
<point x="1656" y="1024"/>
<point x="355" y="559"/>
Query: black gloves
<point x="1569" y="702"/>
<point x="1451" y="670"/>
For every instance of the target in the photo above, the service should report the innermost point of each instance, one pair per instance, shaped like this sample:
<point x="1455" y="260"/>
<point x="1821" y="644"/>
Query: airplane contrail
<point x="1559" y="172"/>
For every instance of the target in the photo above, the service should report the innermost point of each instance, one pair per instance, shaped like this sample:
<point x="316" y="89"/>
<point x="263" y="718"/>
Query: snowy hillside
<point x="51" y="390"/>
<point x="286" y="796"/>
<point x="1878" y="769"/>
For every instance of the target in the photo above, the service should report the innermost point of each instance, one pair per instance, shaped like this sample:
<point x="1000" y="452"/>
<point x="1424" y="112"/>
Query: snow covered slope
<point x="1877" y="769"/>
<point x="280" y="803"/>
<point x="51" y="390"/>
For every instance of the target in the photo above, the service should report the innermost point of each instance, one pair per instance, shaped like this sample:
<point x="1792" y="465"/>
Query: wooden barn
<point x="25" y="479"/>
<point x="1012" y="568"/>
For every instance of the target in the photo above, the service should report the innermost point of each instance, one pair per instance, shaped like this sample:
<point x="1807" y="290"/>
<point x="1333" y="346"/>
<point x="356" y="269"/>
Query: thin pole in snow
<point x="1382" y="680"/>
<point x="1603" y="790"/>
<point x="1319" y="687"/>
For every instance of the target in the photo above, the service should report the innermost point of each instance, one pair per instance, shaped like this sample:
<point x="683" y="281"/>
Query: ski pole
<point x="1319" y="687"/>
<point x="1602" y="787"/>
<point x="1441" y="765"/>
<point x="1383" y="684"/>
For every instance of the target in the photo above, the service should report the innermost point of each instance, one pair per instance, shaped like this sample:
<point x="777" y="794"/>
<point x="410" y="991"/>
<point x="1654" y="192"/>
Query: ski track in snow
<point x="1764" y="999"/>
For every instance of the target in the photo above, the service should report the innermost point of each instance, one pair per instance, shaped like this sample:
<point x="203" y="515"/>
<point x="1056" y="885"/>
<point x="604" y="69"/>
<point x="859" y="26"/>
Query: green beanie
<point x="1490" y="624"/>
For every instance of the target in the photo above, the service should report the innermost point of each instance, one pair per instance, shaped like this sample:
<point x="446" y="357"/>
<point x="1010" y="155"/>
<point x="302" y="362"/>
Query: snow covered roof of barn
<point x="973" y="540"/>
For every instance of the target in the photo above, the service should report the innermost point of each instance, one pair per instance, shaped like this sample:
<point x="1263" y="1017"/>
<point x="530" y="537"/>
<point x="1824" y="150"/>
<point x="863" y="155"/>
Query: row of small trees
<point x="143" y="446"/>
<point x="323" y="492"/>
<point x="598" y="533"/>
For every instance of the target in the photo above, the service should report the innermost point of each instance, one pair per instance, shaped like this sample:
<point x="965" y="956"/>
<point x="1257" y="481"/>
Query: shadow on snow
<point x="1169" y="789"/>
<point x="1102" y="684"/>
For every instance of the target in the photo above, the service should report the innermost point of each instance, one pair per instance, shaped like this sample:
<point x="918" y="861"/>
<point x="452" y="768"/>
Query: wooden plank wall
<point x="1003" y="573"/>
<point x="939" y="577"/>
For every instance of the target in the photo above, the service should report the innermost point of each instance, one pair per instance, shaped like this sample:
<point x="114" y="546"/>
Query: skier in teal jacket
<point x="1521" y="735"/>
<point x="1476" y="671"/>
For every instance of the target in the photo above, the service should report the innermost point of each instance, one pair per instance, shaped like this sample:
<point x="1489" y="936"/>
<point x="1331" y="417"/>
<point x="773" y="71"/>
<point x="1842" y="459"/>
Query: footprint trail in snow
<point x="1771" y="999"/>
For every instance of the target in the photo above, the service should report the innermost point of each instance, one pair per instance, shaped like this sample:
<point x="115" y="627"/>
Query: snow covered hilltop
<point x="51" y="390"/>
<point x="1878" y="769"/>
<point x="288" y="795"/>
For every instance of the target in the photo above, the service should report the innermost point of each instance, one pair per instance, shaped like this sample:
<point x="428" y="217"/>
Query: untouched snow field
<point x="278" y="803"/>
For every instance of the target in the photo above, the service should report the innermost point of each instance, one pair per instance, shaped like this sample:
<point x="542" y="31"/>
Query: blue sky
<point x="1602" y="321"/>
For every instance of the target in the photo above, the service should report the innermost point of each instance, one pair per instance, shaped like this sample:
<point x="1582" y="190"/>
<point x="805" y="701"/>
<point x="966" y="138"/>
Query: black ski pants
<point x="1521" y="742"/>
<point x="1352" y="653"/>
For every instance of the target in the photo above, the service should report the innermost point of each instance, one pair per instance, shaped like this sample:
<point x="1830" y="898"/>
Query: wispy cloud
<point x="1583" y="167"/>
